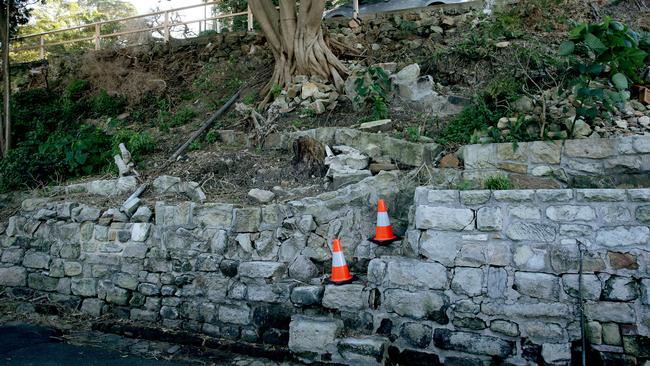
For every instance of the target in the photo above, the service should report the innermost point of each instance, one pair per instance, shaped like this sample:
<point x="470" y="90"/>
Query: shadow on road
<point x="38" y="346"/>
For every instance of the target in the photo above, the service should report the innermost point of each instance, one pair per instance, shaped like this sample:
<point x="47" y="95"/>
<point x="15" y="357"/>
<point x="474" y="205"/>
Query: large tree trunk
<point x="297" y="42"/>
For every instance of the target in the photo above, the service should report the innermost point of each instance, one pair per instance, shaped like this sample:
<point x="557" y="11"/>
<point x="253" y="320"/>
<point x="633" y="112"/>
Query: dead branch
<point x="205" y="126"/>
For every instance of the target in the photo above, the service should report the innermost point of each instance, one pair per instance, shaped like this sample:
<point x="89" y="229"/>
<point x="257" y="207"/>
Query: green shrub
<point x="195" y="145"/>
<point x="182" y="117"/>
<point x="212" y="136"/>
<point x="592" y="50"/>
<point x="373" y="88"/>
<point x="498" y="183"/>
<point x="413" y="134"/>
<point x="486" y="110"/>
<point x="138" y="143"/>
<point x="51" y="143"/>
<point x="87" y="150"/>
<point x="104" y="104"/>
<point x="251" y="98"/>
<point x="459" y="130"/>
<point x="76" y="88"/>
<point x="608" y="43"/>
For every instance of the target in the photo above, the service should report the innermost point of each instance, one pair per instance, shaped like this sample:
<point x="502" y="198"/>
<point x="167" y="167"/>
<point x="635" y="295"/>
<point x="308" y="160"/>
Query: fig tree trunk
<point x="296" y="39"/>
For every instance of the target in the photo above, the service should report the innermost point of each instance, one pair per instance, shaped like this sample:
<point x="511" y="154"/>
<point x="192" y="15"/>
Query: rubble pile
<point x="629" y="118"/>
<point x="348" y="165"/>
<point x="308" y="94"/>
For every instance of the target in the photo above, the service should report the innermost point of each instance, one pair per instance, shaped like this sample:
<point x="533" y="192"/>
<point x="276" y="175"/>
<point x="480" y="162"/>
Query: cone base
<point x="352" y="279"/>
<point x="385" y="242"/>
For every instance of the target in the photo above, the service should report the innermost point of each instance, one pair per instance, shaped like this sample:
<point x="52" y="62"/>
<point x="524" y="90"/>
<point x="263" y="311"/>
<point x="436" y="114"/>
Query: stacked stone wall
<point x="231" y="272"/>
<point x="498" y="272"/>
<point x="481" y="277"/>
<point x="589" y="163"/>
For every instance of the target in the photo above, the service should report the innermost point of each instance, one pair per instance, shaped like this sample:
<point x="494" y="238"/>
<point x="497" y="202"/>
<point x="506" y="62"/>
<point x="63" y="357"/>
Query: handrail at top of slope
<point x="119" y="20"/>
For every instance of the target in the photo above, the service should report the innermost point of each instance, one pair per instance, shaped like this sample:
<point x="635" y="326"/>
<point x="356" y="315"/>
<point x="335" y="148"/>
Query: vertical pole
<point x="41" y="50"/>
<point x="98" y="43"/>
<point x="167" y="30"/>
<point x="7" y="79"/>
<point x="356" y="9"/>
<point x="205" y="18"/>
<point x="250" y="19"/>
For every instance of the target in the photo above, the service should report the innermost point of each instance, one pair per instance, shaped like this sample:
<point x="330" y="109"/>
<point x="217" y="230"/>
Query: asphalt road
<point x="28" y="345"/>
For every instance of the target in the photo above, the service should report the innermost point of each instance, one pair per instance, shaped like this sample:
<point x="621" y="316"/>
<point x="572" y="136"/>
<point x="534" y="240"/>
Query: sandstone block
<point x="489" y="219"/>
<point x="312" y="334"/>
<point x="537" y="285"/>
<point x="443" y="218"/>
<point x="472" y="343"/>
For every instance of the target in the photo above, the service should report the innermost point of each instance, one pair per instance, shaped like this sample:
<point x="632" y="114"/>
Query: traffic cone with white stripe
<point x="340" y="272"/>
<point x="384" y="232"/>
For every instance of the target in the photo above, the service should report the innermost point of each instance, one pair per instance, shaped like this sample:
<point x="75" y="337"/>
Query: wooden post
<point x="41" y="49"/>
<point x="7" y="79"/>
<point x="205" y="18"/>
<point x="250" y="19"/>
<point x="98" y="40"/>
<point x="167" y="26"/>
<point x="356" y="9"/>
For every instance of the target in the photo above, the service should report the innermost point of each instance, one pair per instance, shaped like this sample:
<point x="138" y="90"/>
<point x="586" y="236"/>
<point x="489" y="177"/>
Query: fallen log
<point x="205" y="126"/>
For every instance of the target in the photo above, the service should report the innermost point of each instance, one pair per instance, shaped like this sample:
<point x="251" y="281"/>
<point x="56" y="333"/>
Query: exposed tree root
<point x="297" y="42"/>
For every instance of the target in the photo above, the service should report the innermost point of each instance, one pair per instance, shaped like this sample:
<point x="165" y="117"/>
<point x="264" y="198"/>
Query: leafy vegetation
<point x="373" y="88"/>
<point x="104" y="104"/>
<point x="497" y="183"/>
<point x="212" y="136"/>
<point x="606" y="49"/>
<point x="138" y="143"/>
<point x="484" y="113"/>
<point x="413" y="134"/>
<point x="183" y="116"/>
<point x="52" y="142"/>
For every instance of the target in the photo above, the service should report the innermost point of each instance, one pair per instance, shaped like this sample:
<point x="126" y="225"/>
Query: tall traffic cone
<point x="340" y="272"/>
<point x="384" y="232"/>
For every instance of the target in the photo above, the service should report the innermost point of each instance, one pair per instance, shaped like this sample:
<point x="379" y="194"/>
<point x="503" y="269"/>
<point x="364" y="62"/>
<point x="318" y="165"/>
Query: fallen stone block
<point x="261" y="196"/>
<point x="376" y="126"/>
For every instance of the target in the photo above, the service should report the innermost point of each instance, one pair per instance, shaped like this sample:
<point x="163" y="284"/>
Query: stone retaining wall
<point x="375" y="145"/>
<point x="590" y="163"/>
<point x="213" y="268"/>
<point x="498" y="272"/>
<point x="481" y="278"/>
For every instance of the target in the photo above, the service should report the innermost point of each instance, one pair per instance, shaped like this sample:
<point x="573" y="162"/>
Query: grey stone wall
<point x="589" y="163"/>
<point x="481" y="277"/>
<point x="497" y="274"/>
<point x="232" y="272"/>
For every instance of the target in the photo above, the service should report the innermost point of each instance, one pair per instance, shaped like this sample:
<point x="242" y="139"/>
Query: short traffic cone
<point x="340" y="272"/>
<point x="384" y="233"/>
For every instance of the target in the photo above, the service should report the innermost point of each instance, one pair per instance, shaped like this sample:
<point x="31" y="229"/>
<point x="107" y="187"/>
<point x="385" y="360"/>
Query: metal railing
<point x="166" y="28"/>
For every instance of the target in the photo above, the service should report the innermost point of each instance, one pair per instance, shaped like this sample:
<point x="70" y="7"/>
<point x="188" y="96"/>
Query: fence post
<point x="41" y="49"/>
<point x="167" y="26"/>
<point x="98" y="43"/>
<point x="250" y="19"/>
<point x="356" y="9"/>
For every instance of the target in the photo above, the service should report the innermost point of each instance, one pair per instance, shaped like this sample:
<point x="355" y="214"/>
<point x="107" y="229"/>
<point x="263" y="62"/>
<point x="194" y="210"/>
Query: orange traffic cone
<point x="340" y="272"/>
<point x="384" y="233"/>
